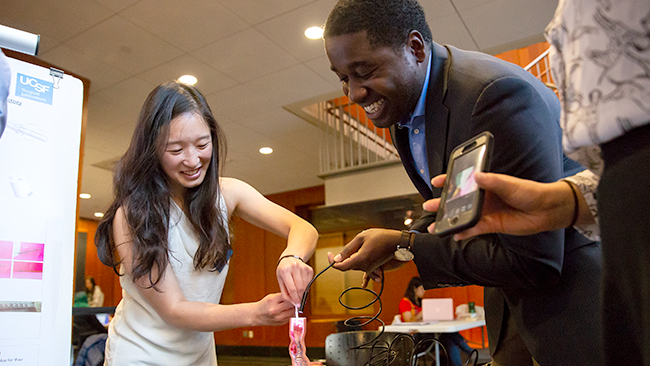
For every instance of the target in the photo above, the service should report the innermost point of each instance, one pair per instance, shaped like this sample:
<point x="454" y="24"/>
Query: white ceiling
<point x="250" y="57"/>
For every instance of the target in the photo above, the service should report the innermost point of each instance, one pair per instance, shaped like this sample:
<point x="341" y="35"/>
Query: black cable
<point x="304" y="295"/>
<point x="473" y="353"/>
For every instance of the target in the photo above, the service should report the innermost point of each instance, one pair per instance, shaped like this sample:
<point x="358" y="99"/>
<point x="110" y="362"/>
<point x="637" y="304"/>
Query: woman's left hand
<point x="293" y="277"/>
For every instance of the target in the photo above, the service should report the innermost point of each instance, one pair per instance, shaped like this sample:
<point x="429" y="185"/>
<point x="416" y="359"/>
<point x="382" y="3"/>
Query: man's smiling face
<point x="385" y="82"/>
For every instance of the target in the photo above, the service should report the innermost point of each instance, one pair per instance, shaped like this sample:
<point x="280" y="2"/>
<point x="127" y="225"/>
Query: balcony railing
<point x="350" y="140"/>
<point x="540" y="68"/>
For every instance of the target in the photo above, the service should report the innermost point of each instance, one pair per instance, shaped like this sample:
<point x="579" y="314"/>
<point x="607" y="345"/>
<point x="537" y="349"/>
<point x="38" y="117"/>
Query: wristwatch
<point x="403" y="252"/>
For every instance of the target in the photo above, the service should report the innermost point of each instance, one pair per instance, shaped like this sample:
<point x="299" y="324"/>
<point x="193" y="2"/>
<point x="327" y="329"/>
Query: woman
<point x="94" y="293"/>
<point x="167" y="235"/>
<point x="411" y="310"/>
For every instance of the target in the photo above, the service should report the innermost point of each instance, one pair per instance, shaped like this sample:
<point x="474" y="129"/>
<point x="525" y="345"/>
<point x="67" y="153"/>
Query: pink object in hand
<point x="297" y="349"/>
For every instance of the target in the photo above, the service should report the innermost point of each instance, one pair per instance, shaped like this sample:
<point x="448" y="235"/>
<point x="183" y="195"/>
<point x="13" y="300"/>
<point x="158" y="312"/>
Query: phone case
<point x="462" y="209"/>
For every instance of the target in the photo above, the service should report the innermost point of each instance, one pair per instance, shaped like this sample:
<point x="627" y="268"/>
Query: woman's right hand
<point x="273" y="310"/>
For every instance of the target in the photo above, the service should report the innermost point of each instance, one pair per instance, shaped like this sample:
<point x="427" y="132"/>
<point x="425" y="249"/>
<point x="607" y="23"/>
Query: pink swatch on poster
<point x="6" y="249"/>
<point x="30" y="252"/>
<point x="5" y="269"/>
<point x="28" y="270"/>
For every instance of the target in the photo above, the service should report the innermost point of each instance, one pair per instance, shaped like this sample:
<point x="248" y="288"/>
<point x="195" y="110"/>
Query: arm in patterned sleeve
<point x="587" y="182"/>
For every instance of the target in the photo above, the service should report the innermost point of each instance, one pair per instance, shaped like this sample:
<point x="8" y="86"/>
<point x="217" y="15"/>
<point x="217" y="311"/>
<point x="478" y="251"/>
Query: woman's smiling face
<point x="187" y="152"/>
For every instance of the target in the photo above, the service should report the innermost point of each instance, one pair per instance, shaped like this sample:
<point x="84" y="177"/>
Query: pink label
<point x="6" y="249"/>
<point x="5" y="269"/>
<point x="28" y="270"/>
<point x="30" y="252"/>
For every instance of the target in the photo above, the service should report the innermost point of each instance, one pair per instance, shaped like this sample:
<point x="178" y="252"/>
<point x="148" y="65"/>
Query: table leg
<point x="482" y="336"/>
<point x="437" y="354"/>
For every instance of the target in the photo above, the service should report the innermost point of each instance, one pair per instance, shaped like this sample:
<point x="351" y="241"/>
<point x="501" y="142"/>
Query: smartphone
<point x="461" y="200"/>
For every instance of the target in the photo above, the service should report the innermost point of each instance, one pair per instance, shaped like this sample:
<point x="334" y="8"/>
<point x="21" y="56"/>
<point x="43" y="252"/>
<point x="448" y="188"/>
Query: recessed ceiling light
<point x="187" y="79"/>
<point x="99" y="214"/>
<point x="408" y="219"/>
<point x="314" y="32"/>
<point x="266" y="150"/>
<point x="84" y="196"/>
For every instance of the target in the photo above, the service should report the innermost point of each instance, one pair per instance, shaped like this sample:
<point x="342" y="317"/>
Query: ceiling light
<point x="99" y="214"/>
<point x="266" y="150"/>
<point x="187" y="79"/>
<point x="408" y="218"/>
<point x="314" y="32"/>
<point x="84" y="196"/>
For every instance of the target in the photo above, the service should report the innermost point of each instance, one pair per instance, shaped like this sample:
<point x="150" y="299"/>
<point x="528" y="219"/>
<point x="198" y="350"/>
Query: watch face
<point x="403" y="254"/>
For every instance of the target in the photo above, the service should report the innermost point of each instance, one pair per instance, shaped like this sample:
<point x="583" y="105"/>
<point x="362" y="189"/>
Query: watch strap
<point x="406" y="240"/>
<point x="403" y="251"/>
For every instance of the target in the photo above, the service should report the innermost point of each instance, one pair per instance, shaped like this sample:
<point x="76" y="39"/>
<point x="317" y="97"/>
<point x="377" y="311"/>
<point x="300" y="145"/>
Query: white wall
<point x="368" y="185"/>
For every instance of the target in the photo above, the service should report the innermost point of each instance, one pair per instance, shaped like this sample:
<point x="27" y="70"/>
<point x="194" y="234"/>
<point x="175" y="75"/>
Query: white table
<point x="443" y="326"/>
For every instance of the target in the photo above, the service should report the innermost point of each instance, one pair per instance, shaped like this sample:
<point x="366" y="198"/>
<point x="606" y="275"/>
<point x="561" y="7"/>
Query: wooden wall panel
<point x="245" y="281"/>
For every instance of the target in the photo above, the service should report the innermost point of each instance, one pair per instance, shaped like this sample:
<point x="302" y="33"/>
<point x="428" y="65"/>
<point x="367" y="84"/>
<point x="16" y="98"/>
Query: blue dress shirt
<point x="415" y="124"/>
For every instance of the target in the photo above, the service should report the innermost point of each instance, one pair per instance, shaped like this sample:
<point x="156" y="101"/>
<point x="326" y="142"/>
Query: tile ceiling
<point x="250" y="57"/>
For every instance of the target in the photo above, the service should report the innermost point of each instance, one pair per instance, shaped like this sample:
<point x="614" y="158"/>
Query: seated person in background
<point x="80" y="300"/>
<point x="454" y="343"/>
<point x="84" y="325"/>
<point x="94" y="293"/>
<point x="92" y="351"/>
<point x="410" y="309"/>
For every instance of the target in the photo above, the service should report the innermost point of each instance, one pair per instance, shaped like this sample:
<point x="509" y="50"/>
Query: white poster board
<point x="39" y="160"/>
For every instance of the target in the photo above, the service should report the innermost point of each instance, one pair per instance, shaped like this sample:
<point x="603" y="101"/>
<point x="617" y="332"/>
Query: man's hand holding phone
<point x="515" y="206"/>
<point x="461" y="199"/>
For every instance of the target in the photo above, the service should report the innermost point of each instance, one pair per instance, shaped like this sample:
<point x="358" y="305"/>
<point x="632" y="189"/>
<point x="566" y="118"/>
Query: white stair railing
<point x="540" y="68"/>
<point x="350" y="142"/>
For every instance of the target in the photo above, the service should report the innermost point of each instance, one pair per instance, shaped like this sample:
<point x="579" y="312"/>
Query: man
<point x="541" y="291"/>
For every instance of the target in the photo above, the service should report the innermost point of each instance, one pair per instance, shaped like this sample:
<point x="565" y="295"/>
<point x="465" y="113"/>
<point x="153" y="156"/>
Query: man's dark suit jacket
<point x="549" y="282"/>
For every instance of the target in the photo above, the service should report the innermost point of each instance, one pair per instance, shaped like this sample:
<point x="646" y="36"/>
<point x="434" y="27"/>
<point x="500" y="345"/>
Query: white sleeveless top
<point x="137" y="335"/>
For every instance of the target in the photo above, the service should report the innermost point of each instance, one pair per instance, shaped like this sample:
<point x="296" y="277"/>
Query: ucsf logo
<point x="26" y="80"/>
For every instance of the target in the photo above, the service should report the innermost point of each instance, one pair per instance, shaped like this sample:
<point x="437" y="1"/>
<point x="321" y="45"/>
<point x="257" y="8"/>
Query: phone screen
<point x="462" y="189"/>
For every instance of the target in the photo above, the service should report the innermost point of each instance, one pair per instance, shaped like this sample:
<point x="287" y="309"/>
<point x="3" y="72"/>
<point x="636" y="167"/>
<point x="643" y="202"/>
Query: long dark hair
<point x="143" y="191"/>
<point x="410" y="291"/>
<point x="90" y="291"/>
<point x="386" y="22"/>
